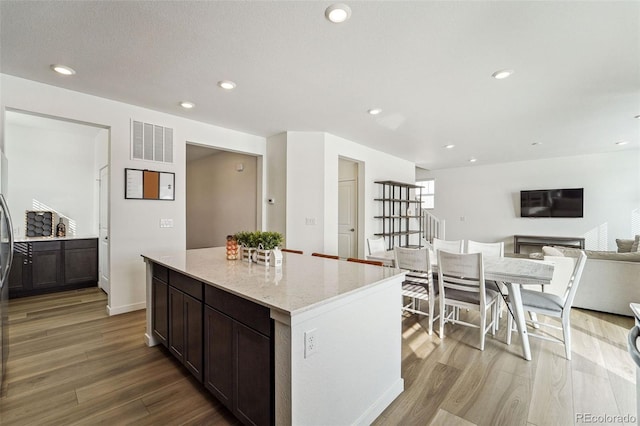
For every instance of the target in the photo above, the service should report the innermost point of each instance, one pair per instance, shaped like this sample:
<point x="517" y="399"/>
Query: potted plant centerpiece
<point x="268" y="242"/>
<point x="256" y="246"/>
<point x="248" y="242"/>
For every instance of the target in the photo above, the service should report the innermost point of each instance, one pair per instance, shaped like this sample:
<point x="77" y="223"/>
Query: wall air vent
<point x="151" y="142"/>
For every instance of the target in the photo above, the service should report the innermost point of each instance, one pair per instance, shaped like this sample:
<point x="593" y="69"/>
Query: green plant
<point x="270" y="240"/>
<point x="243" y="238"/>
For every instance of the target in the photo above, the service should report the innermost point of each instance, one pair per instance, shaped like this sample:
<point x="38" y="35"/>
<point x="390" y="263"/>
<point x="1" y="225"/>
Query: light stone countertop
<point x="303" y="281"/>
<point x="69" y="237"/>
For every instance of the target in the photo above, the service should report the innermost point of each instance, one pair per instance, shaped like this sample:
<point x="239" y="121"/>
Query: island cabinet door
<point x="176" y="323"/>
<point x="160" y="316"/>
<point x="218" y="355"/>
<point x="252" y="402"/>
<point x="193" y="336"/>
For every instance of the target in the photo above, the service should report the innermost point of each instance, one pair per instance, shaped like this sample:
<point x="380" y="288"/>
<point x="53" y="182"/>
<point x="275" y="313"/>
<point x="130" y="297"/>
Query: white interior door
<point x="347" y="218"/>
<point x="103" y="245"/>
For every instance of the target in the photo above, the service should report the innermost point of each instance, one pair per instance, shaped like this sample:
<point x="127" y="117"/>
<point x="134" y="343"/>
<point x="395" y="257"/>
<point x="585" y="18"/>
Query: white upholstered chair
<point x="447" y="245"/>
<point x="553" y="306"/>
<point x="418" y="284"/>
<point x="461" y="285"/>
<point x="376" y="245"/>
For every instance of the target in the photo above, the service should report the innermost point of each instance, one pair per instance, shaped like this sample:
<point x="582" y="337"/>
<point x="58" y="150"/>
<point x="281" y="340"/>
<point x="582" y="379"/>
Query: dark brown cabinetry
<point x="160" y="294"/>
<point x="225" y="341"/>
<point x="48" y="266"/>
<point x="238" y="355"/>
<point x="177" y="316"/>
<point x="80" y="263"/>
<point x="185" y="321"/>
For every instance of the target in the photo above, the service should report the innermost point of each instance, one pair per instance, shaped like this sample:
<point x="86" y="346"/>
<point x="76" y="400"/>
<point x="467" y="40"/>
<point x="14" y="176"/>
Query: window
<point x="428" y="193"/>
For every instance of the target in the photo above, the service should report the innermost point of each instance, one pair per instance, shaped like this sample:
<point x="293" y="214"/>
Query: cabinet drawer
<point x="249" y="313"/>
<point x="186" y="284"/>
<point x="79" y="244"/>
<point x="46" y="245"/>
<point x="160" y="272"/>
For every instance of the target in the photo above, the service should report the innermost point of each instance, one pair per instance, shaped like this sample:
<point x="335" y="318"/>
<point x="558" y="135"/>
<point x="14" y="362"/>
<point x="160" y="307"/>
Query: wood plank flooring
<point x="70" y="363"/>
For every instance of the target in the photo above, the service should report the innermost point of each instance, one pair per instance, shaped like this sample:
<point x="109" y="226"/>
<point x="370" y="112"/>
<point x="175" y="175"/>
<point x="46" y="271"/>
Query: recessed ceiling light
<point x="375" y="111"/>
<point x="473" y="160"/>
<point x="499" y="75"/>
<point x="338" y="13"/>
<point x="637" y="116"/>
<point x="622" y="142"/>
<point x="227" y="84"/>
<point x="63" y="69"/>
<point x="536" y="143"/>
<point x="449" y="146"/>
<point x="187" y="104"/>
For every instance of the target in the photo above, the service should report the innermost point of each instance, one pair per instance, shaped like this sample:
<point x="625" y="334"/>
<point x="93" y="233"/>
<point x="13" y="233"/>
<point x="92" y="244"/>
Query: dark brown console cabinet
<point x="80" y="263"/>
<point x="226" y="342"/>
<point x="47" y="264"/>
<point x="55" y="265"/>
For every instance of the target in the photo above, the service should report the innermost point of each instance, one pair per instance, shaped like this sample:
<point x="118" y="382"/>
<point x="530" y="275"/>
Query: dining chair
<point x="292" y="251"/>
<point x="327" y="256"/>
<point x="448" y="245"/>
<point x="490" y="250"/>
<point x="376" y="245"/>
<point x="461" y="285"/>
<point x="418" y="284"/>
<point x="487" y="249"/>
<point x="369" y="262"/>
<point x="553" y="306"/>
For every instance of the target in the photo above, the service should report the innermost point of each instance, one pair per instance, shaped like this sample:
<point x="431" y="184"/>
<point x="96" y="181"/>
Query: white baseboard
<point x="381" y="404"/>
<point x="126" y="308"/>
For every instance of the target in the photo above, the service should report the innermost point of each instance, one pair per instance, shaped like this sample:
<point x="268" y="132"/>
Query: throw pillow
<point x="551" y="251"/>
<point x="624" y="246"/>
<point x="636" y="244"/>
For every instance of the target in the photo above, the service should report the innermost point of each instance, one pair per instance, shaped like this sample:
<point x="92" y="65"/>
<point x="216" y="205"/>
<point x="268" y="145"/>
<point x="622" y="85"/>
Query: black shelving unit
<point x="397" y="224"/>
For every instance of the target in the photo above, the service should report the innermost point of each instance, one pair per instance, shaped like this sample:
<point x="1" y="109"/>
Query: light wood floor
<point x="70" y="363"/>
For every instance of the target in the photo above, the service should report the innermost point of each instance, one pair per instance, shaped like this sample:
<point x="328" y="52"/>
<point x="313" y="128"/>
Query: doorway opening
<point x="350" y="209"/>
<point x="223" y="195"/>
<point x="59" y="165"/>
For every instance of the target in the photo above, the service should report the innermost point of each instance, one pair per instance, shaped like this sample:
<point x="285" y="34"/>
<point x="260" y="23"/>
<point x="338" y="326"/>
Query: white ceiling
<point x="428" y="65"/>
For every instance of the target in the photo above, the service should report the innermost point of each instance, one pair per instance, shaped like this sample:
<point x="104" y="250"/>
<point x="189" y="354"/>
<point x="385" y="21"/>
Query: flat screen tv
<point x="552" y="203"/>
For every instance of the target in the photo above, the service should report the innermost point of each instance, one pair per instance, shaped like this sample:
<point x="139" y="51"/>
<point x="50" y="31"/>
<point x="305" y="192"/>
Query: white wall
<point x="312" y="181"/>
<point x="134" y="224"/>
<point x="488" y="198"/>
<point x="55" y="168"/>
<point x="305" y="191"/>
<point x="220" y="199"/>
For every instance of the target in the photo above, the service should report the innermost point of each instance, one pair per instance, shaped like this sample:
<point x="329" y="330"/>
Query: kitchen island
<point x="324" y="335"/>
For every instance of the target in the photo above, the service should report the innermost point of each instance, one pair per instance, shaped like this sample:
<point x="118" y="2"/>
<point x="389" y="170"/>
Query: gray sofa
<point x="610" y="280"/>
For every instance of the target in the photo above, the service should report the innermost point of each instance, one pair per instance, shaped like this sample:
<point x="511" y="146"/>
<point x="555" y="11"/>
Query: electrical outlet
<point x="310" y="221"/>
<point x="310" y="342"/>
<point x="166" y="223"/>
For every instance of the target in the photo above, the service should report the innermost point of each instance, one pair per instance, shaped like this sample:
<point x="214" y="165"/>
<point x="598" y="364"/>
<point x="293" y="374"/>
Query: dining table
<point x="513" y="271"/>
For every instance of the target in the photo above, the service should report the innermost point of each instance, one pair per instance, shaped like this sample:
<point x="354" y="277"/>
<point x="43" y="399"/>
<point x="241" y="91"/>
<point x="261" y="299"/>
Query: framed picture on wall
<point x="149" y="185"/>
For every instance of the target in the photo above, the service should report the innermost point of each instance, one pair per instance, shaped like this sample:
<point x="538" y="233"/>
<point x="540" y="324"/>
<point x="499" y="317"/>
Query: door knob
<point x="351" y="229"/>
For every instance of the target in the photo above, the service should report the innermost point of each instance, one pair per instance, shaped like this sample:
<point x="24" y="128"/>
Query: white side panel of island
<point x="355" y="372"/>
